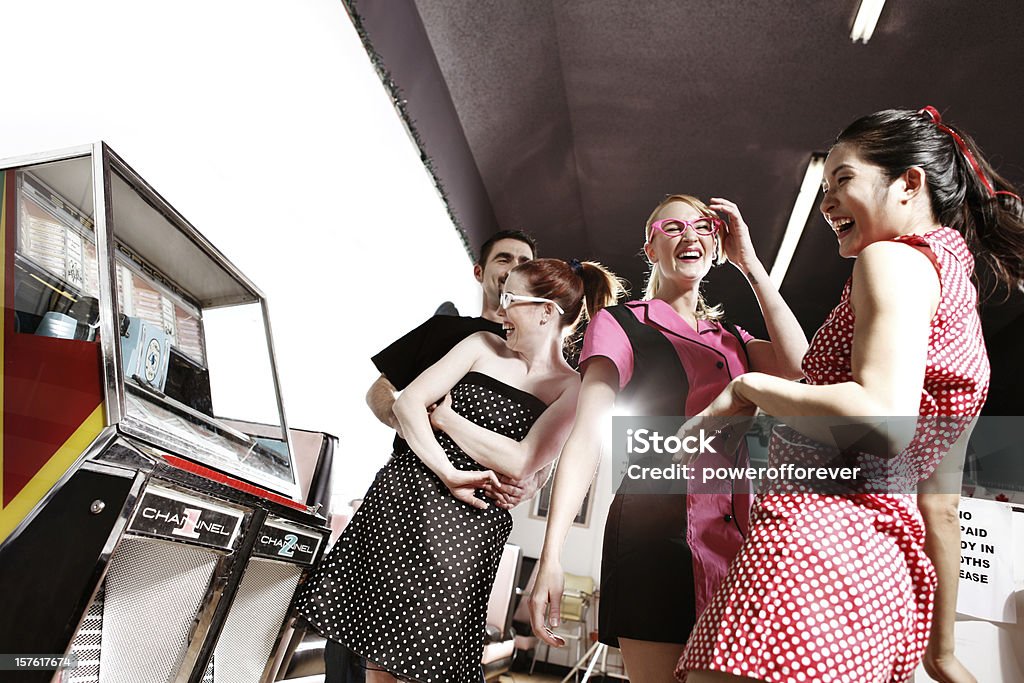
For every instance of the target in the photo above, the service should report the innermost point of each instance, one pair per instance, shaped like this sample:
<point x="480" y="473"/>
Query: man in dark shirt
<point x="403" y="361"/>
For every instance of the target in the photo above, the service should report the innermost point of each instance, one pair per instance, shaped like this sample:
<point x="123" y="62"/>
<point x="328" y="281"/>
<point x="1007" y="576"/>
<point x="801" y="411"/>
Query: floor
<point x="548" y="673"/>
<point x="517" y="677"/>
<point x="527" y="678"/>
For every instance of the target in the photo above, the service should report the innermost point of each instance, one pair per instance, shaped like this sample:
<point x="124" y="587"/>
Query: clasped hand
<point x="721" y="417"/>
<point x="506" y="492"/>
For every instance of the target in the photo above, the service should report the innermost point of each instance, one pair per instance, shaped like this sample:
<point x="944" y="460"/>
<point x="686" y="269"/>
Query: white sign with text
<point x="986" y="561"/>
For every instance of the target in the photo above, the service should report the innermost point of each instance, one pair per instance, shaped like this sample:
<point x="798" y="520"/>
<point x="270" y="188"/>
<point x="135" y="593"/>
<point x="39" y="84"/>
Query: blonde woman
<point x="668" y="354"/>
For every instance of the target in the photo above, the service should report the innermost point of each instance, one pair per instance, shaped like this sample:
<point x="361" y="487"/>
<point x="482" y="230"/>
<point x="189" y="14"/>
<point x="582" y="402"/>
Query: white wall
<point x="994" y="651"/>
<point x="582" y="551"/>
<point x="265" y="125"/>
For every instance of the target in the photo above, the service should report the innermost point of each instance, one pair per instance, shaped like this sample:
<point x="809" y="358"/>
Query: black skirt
<point x="647" y="583"/>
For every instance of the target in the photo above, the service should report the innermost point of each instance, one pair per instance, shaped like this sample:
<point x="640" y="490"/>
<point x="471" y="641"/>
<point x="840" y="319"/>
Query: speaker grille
<point x="154" y="590"/>
<point x="251" y="628"/>
<point x="86" y="645"/>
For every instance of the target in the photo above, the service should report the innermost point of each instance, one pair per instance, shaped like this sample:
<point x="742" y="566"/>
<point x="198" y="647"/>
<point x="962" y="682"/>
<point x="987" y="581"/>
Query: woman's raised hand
<point x="735" y="239"/>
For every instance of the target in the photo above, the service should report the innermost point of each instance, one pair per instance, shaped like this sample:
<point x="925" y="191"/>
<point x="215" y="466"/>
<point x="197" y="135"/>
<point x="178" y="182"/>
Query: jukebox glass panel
<point x="254" y="400"/>
<point x="56" y="279"/>
<point x="194" y="346"/>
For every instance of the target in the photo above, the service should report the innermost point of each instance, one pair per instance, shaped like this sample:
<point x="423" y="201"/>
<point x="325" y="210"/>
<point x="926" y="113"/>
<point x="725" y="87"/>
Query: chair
<point x="499" y="643"/>
<point x="525" y="640"/>
<point x="598" y="652"/>
<point x="572" y="626"/>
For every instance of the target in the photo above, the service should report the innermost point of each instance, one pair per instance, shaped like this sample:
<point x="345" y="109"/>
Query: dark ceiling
<point x="571" y="120"/>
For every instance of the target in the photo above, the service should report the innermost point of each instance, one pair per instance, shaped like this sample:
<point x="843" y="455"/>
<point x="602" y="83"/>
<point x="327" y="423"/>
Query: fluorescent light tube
<point x="798" y="219"/>
<point x="867" y="19"/>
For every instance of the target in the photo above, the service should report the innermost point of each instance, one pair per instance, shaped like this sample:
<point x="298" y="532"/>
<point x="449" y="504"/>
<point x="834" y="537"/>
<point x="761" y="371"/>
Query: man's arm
<point x="381" y="400"/>
<point x="399" y="364"/>
<point x="412" y="411"/>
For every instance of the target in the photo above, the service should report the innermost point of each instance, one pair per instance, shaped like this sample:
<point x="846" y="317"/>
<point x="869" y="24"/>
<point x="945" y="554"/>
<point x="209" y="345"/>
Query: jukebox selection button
<point x="279" y="540"/>
<point x="153" y="356"/>
<point x="179" y="517"/>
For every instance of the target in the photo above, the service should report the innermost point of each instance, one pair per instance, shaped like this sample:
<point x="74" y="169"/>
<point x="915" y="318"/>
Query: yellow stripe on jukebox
<point x="3" y="322"/>
<point x="50" y="473"/>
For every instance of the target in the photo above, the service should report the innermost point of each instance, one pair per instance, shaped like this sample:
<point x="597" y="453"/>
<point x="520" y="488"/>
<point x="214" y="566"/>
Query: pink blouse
<point x="711" y="356"/>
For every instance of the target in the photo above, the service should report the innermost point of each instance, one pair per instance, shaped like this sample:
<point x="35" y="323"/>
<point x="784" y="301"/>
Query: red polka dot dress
<point x="837" y="588"/>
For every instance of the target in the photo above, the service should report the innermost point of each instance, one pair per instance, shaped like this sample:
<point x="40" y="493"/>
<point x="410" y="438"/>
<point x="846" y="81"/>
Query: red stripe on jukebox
<point x="52" y="393"/>
<point x="196" y="468"/>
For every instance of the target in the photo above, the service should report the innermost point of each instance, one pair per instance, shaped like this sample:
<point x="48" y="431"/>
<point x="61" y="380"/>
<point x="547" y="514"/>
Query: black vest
<point x="659" y="385"/>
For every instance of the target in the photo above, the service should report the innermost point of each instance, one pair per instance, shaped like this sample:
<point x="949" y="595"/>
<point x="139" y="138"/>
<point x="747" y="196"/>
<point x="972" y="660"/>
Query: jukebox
<point x="154" y="525"/>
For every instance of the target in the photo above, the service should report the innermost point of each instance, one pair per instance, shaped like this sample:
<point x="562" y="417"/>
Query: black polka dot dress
<point x="407" y="584"/>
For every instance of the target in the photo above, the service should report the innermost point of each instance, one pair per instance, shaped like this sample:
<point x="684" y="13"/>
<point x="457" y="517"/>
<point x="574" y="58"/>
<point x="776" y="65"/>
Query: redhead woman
<point x="407" y="584"/>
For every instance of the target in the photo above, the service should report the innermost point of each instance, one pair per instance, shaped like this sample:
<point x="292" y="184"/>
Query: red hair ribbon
<point x="936" y="118"/>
